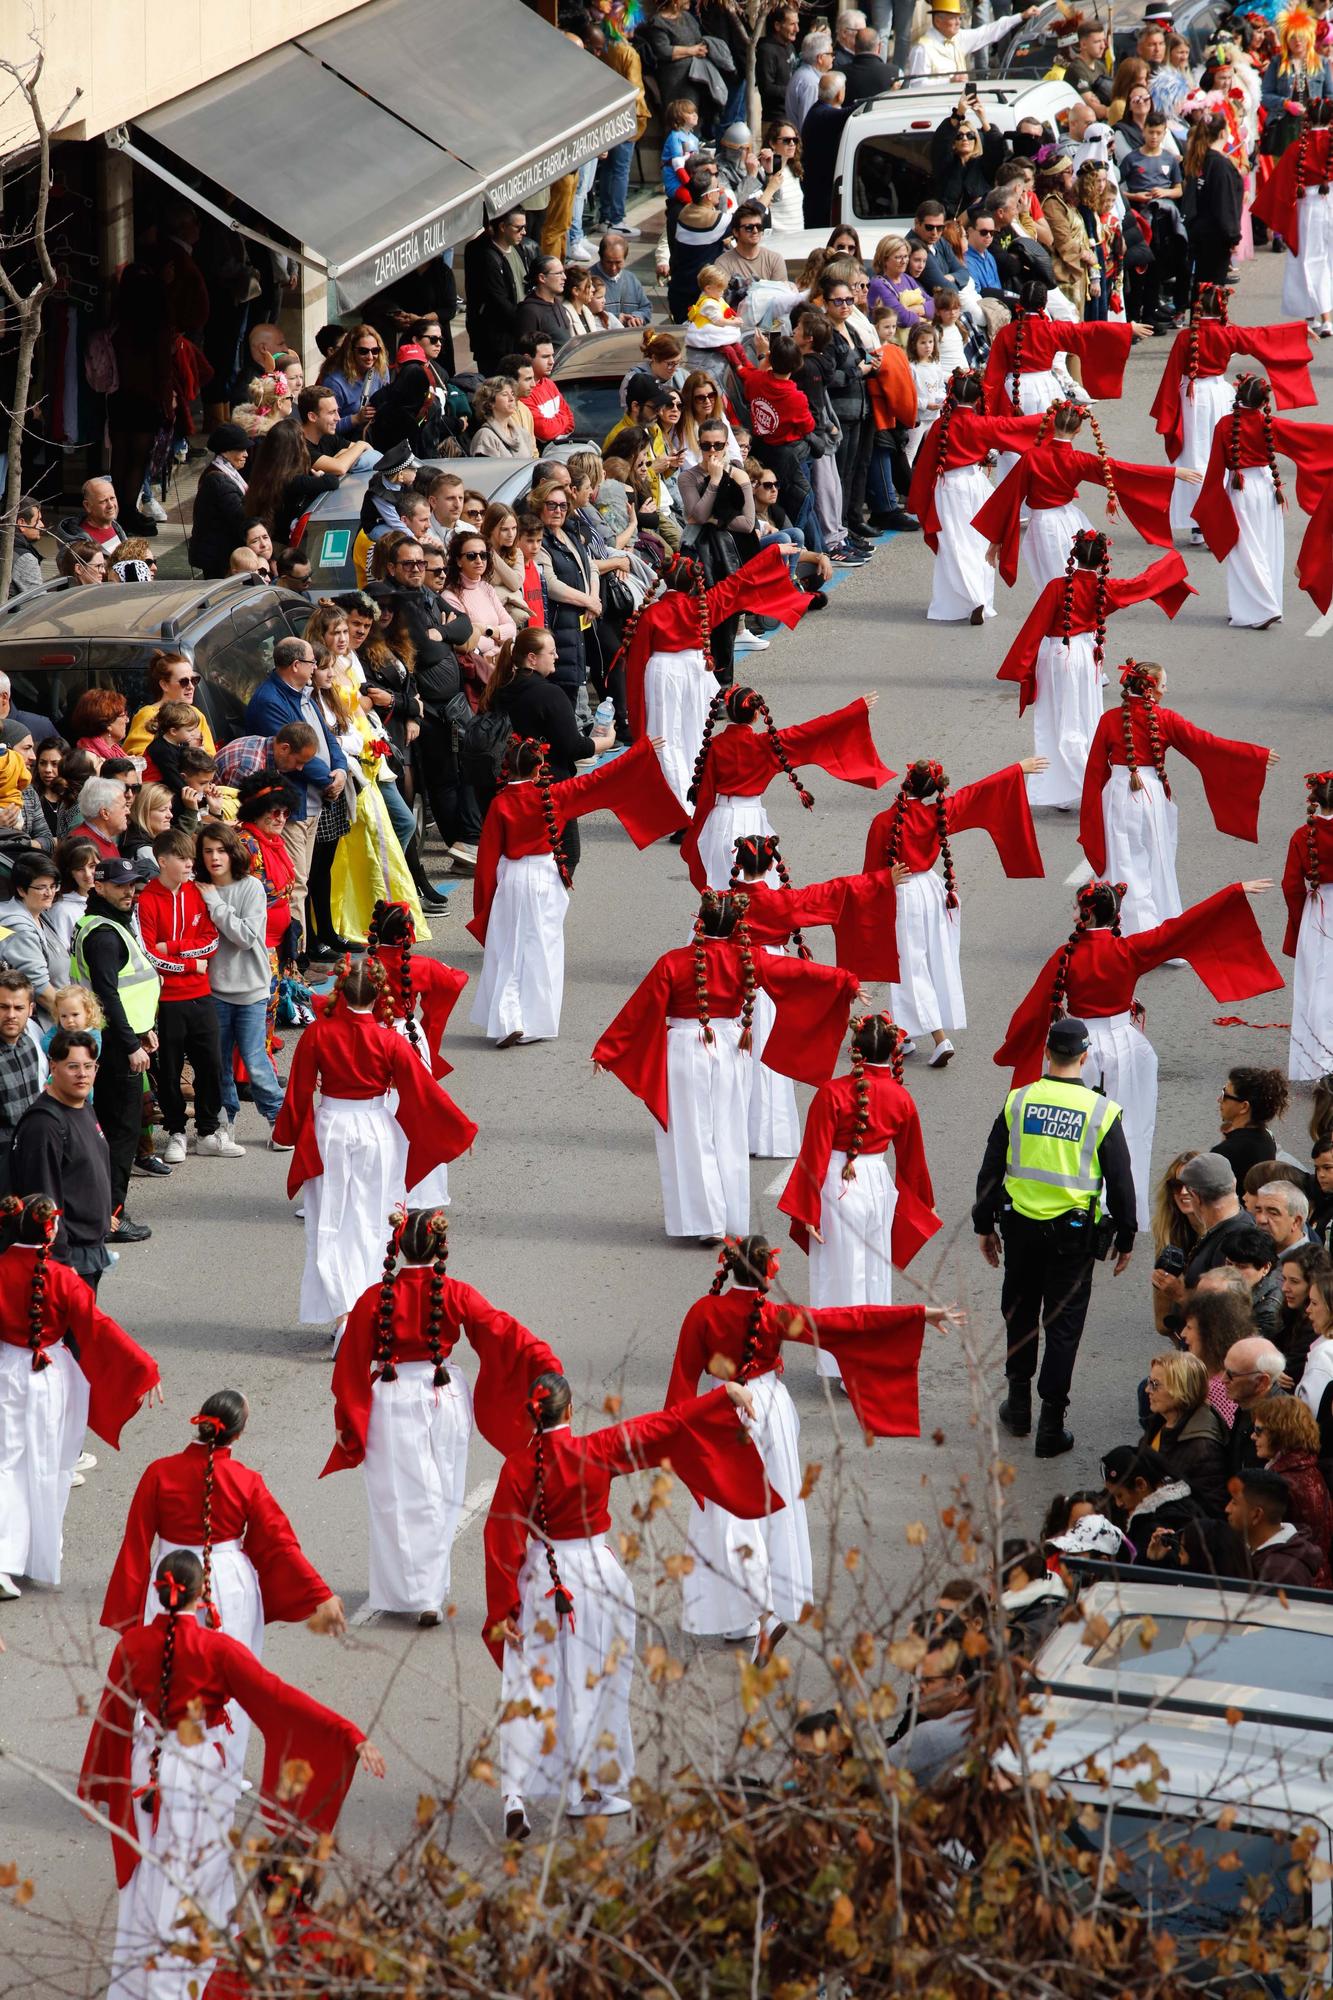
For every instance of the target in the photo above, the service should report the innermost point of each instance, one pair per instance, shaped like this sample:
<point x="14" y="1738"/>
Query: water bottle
<point x="604" y="714"/>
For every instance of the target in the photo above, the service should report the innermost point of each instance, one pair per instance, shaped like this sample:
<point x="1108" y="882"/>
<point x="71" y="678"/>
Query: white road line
<point x="474" y="1506"/>
<point x="776" y="1186"/>
<point x="1078" y="876"/>
<point x="1320" y="626"/>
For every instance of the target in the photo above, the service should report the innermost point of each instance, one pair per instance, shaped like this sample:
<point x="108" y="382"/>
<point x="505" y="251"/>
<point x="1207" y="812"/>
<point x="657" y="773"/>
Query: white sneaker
<point x="606" y="1807"/>
<point x="583" y="252"/>
<point x="85" y="1462"/>
<point x="751" y="642"/>
<point x="218" y="1146"/>
<point x="154" y="509"/>
<point x="465" y="855"/>
<point x="276" y="1146"/>
<point x="76" y="1479"/>
<point x="621" y="229"/>
<point x="8" y="1588"/>
<point x="942" y="1053"/>
<point x="173" y="1153"/>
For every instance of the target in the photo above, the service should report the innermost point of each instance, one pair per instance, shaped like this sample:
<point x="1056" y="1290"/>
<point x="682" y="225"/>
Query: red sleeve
<point x="877" y="841"/>
<point x="351" y="1384"/>
<point x="634" y="1046"/>
<point x="878" y="1352"/>
<point x="998" y="805"/>
<point x="1295" y="888"/>
<point x="865" y="929"/>
<point x="1020" y="662"/>
<point x="506" y="1539"/>
<point x="1314" y="558"/>
<point x="1213" y="513"/>
<point x="104" y="1778"/>
<point x="1091" y="822"/>
<point x="1310" y="449"/>
<point x="705" y="1442"/>
<point x="840" y="744"/>
<point x="800" y="1199"/>
<point x="1143" y="495"/>
<point x="118" y="1372"/>
<point x="437" y="1131"/>
<point x="510" y="1358"/>
<point x="695" y="1348"/>
<point x="999" y="367"/>
<point x="764" y="585"/>
<point x="1025" y="1037"/>
<point x="1233" y="773"/>
<point x="1165" y="583"/>
<point x="489" y="849"/>
<point x="440" y="987"/>
<point x="924" y="480"/>
<point x="289" y="1584"/>
<point x="997" y="521"/>
<point x="1275" y="200"/>
<point x="297" y="1730"/>
<point x="1221" y="939"/>
<point x="295" y="1123"/>
<point x="1166" y="411"/>
<point x="1284" y="353"/>
<point x="632" y="787"/>
<point x="127" y="1592"/>
<point x="813" y="1005"/>
<point x="1103" y="349"/>
<point x="914" y="1217"/>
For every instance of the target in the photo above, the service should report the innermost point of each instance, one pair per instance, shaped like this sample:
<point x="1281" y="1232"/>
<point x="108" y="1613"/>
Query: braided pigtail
<point x="1103" y="600"/>
<point x="628" y="629"/>
<point x="1130" y="685"/>
<point x="1318" y="797"/>
<point x="1108" y="476"/>
<point x="176" y="1583"/>
<point x="752" y="1265"/>
<point x="780" y="756"/>
<point x="46" y="1216"/>
<point x="384" y="1369"/>
<point x="749" y="984"/>
<point x="966" y="391"/>
<point x="548" y="1401"/>
<point x="876" y="1038"/>
<point x="1141" y="681"/>
<point x="707" y="902"/>
<point x="407" y="999"/>
<point x="1046" y="427"/>
<point x="699" y="590"/>
<point x="755" y="854"/>
<point x="715" y="708"/>
<point x="946" y="855"/>
<point x="438" y="1226"/>
<point x="1060" y="989"/>
<point x="1067" y="595"/>
<point x="1016" y="366"/>
<point x="775" y="860"/>
<point x="1302" y="148"/>
<point x="861" y="1114"/>
<point x="531" y="760"/>
<point x="1237" y="476"/>
<point x="210" y="1432"/>
<point x="1271" y="454"/>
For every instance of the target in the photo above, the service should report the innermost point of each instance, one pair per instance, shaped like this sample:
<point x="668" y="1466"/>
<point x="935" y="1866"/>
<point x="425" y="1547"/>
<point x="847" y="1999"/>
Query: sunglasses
<point x="367" y="350"/>
<point x="433" y="338"/>
<point x="469" y="555"/>
<point x="984" y="234"/>
<point x="186" y="681"/>
<point x="933" y="227"/>
<point x="410" y="562"/>
<point x="473" y="513"/>
<point x="749" y="228"/>
<point x="555" y="507"/>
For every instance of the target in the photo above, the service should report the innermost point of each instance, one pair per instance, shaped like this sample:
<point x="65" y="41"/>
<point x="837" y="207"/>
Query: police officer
<point x="106" y="955"/>
<point x="1056" y="1156"/>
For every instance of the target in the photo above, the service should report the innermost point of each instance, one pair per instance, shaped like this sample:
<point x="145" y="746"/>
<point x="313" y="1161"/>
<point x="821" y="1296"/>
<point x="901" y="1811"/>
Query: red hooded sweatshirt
<point x="179" y="936"/>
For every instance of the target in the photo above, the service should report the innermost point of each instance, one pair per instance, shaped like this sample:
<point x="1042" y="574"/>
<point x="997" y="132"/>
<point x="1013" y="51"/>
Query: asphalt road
<point x="557" y="1213"/>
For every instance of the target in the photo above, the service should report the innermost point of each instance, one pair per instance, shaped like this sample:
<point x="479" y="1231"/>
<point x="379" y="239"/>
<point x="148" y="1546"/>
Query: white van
<point x="884" y="171"/>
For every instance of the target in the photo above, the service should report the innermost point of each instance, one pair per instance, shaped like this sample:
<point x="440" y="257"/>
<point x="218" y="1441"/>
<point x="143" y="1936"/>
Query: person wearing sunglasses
<point x="171" y="677"/>
<point x="355" y="371"/>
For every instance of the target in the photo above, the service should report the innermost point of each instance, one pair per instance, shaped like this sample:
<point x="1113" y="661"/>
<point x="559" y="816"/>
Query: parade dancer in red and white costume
<point x="950" y="485"/>
<point x="1242" y="503"/>
<point x="1307" y="890"/>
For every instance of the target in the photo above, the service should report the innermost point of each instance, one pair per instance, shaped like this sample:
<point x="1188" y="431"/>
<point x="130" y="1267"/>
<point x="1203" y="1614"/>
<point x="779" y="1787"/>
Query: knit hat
<point x="228" y="437"/>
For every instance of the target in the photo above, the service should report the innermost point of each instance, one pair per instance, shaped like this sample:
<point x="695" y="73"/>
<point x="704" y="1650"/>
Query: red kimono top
<point x="703" y="1440"/>
<point x="971" y="438"/>
<point x="1283" y="352"/>
<point x="1220" y="938"/>
<point x="436" y="985"/>
<point x="830" y="1126"/>
<point x="511" y="1358"/>
<point x="1233" y="773"/>
<point x="1102" y="349"/>
<point x="212" y="1669"/>
<point x="877" y="1348"/>
<point x="118" y="1372"/>
<point x="997" y="805"/>
<point x="1164" y="583"/>
<point x="631" y="786"/>
<point x="1275" y="202"/>
<point x="1050" y="475"/>
<point x="670" y="624"/>
<point x="346" y="1054"/>
<point x="1308" y="446"/>
<point x="861" y="909"/>
<point x="168" y="1504"/>
<point x="1295" y="882"/>
<point x="1314" y="558"/>
<point x="813" y="1005"/>
<point x="741" y="762"/>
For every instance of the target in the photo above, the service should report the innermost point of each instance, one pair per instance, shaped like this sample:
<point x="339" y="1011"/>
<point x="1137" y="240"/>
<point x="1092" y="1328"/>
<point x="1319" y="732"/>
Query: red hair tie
<point x="208" y="1424"/>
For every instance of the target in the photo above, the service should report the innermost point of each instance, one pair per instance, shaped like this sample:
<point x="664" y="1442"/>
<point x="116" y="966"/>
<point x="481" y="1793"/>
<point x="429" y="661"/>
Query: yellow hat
<point x="946" y="6"/>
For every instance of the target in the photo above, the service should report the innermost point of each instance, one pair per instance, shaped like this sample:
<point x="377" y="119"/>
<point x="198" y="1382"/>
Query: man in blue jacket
<point x="286" y="697"/>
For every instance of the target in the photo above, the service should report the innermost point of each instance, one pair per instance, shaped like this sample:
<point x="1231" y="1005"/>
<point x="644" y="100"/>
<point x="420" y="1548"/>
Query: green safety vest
<point x="1056" y="1128"/>
<point x="138" y="985"/>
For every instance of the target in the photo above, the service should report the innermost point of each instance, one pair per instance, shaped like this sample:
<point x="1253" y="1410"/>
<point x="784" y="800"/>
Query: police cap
<point x="1067" y="1037"/>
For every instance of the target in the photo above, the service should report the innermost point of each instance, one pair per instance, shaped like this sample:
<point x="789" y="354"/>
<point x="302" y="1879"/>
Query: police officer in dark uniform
<point x="1056" y="1188"/>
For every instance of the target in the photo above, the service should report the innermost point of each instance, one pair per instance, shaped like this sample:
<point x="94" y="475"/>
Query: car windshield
<point x="1193" y="1879"/>
<point x="1281" y="1660"/>
<point x="891" y="174"/>
<point x="594" y="405"/>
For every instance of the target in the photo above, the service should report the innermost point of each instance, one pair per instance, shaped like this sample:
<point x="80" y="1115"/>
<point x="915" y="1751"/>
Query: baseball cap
<point x="1208" y="1173"/>
<point x="411" y="350"/>
<point x="1094" y="1535"/>
<point x="1068" y="1036"/>
<point x="118" y="871"/>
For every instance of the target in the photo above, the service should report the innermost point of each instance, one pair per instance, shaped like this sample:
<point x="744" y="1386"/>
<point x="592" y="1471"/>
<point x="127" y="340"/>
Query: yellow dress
<point x="369" y="863"/>
<point x="139" y="736"/>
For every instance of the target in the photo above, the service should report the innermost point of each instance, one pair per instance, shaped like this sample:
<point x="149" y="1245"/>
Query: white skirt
<point x="523" y="967"/>
<point x="1125" y="1062"/>
<point x="733" y="818"/>
<point x="746" y="1570"/>
<point x="578" y="1680"/>
<point x="433" y="1192"/>
<point x="704" y="1156"/>
<point x="1141" y="848"/>
<point x="1314" y="260"/>
<point x="774" y="1123"/>
<point x="1065" y="713"/>
<point x="677" y="690"/>
<point x="1046" y="540"/>
<point x="240" y="1606"/>
<point x="962" y="578"/>
<point x="416" y="1478"/>
<point x="1200" y="415"/>
<point x="853" y="1266"/>
<point x="188" y="1854"/>
<point x="929" y="992"/>
<point x="1312" y="990"/>
<point x="42" y="1421"/>
<point x="347" y="1207"/>
<point x="1255" y="566"/>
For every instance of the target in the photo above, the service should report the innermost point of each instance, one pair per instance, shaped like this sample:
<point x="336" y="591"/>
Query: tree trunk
<point x="30" y="326"/>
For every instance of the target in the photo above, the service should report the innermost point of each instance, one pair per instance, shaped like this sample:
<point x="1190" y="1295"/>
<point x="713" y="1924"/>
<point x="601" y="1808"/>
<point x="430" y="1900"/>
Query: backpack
<point x="482" y="745"/>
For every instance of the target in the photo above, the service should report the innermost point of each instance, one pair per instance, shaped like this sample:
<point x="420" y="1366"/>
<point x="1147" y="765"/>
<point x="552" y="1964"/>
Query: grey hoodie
<point x="239" y="970"/>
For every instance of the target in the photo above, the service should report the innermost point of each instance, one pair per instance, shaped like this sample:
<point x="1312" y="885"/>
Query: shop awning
<point x="380" y="140"/>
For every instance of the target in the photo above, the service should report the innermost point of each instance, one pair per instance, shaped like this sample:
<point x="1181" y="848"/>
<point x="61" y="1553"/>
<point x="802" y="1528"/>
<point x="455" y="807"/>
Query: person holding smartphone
<point x="965" y="153"/>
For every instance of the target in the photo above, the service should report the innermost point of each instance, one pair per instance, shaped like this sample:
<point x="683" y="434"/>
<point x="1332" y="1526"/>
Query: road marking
<point x="474" y="1505"/>
<point x="1080" y="875"/>
<point x="1321" y="625"/>
<point x="776" y="1186"/>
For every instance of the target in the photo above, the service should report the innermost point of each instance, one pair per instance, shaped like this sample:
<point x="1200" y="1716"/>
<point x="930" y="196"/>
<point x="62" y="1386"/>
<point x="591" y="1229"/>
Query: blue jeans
<point x="613" y="182"/>
<point x="582" y="189"/>
<point x="401" y="816"/>
<point x="243" y="1028"/>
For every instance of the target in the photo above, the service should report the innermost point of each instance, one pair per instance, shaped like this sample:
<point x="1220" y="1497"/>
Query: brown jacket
<point x="623" y="57"/>
<point x="1069" y="241"/>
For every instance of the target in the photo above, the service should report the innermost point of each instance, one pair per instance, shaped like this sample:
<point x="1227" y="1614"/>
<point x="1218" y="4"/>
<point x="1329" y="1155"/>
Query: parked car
<point x="1031" y="52"/>
<point x="1227" y="1685"/>
<point x="589" y="371"/>
<point x="883" y="172"/>
<point x="57" y="642"/>
<point x="336" y="517"/>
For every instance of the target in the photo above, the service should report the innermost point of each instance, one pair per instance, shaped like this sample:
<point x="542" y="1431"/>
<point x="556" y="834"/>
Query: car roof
<point x="485" y="475"/>
<point x="120" y="611"/>
<point x="590" y="355"/>
<point x="930" y="94"/>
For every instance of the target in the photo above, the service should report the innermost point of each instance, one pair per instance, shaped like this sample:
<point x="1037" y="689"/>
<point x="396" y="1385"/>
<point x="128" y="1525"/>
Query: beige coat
<point x="1069" y="242"/>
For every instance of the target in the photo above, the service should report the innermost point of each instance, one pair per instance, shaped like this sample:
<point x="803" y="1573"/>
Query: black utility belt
<point x="1075" y="1230"/>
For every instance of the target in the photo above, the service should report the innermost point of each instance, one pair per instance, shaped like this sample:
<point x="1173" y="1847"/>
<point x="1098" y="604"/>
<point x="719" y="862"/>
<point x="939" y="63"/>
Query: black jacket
<point x="1211" y="1249"/>
<point x="658" y="43"/>
<point x="1118" y="1197"/>
<point x="219" y="522"/>
<point x="1245" y="1148"/>
<point x="392" y="678"/>
<point x="956" y="184"/>
<point x="435" y="631"/>
<point x="536" y="315"/>
<point x="492" y="299"/>
<point x="867" y="76"/>
<point x="565" y="619"/>
<point x="847" y="386"/>
<point x="774" y="63"/>
<point x="821" y="136"/>
<point x="537" y="707"/>
<point x="407" y="412"/>
<point x="1196" y="1452"/>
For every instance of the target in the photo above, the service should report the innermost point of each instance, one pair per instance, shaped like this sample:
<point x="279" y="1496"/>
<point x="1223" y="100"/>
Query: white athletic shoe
<point x="606" y="1807"/>
<point x="8" y="1588"/>
<point x="154" y="509"/>
<point x="85" y="1462"/>
<point x="941" y="1054"/>
<point x="173" y="1153"/>
<point x="219" y="1146"/>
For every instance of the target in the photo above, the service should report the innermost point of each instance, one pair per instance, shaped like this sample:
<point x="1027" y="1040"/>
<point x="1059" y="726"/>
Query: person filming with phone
<point x="965" y="153"/>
